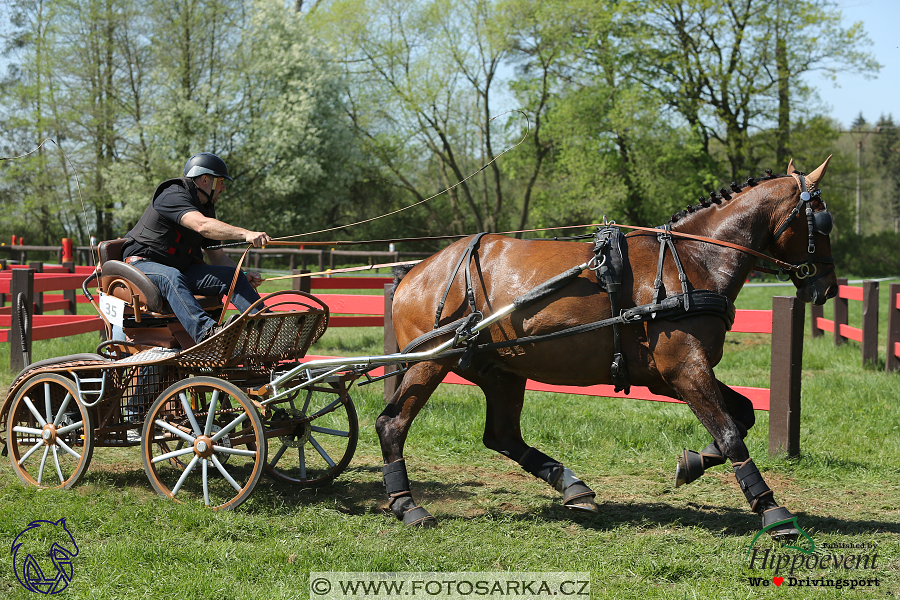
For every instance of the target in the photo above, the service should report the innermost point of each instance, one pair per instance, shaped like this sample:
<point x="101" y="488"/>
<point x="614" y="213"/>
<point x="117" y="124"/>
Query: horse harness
<point x="608" y="265"/>
<point x="817" y="222"/>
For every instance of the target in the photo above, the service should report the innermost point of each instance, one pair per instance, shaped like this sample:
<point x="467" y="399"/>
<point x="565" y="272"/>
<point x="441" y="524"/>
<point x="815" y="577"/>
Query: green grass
<point x="650" y="540"/>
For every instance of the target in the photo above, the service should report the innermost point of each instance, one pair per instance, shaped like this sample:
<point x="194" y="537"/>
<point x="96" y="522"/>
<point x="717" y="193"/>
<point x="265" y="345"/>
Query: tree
<point x="423" y="75"/>
<point x="727" y="67"/>
<point x="608" y="149"/>
<point x="33" y="110"/>
<point x="886" y="158"/>
<point x="131" y="93"/>
<point x="293" y="155"/>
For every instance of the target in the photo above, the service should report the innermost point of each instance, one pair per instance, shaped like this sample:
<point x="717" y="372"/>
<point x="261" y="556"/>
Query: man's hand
<point x="254" y="278"/>
<point x="257" y="238"/>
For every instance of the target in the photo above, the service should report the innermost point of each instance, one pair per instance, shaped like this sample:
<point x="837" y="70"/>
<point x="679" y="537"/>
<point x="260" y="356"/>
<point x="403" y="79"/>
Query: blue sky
<point x="874" y="97"/>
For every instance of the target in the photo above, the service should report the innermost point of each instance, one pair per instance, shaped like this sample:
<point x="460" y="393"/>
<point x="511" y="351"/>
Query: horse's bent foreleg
<point x="505" y="395"/>
<point x="393" y="428"/>
<point x="691" y="465"/>
<point x="699" y="388"/>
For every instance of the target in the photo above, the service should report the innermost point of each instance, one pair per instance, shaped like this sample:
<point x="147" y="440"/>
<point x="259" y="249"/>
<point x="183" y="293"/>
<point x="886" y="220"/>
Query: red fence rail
<point x="867" y="335"/>
<point x="29" y="281"/>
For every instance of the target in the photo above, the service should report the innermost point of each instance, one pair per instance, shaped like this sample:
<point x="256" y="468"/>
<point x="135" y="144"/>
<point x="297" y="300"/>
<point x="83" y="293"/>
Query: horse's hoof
<point x="785" y="533"/>
<point x="689" y="467"/>
<point x="584" y="505"/>
<point x="580" y="497"/>
<point x="780" y="524"/>
<point x="419" y="517"/>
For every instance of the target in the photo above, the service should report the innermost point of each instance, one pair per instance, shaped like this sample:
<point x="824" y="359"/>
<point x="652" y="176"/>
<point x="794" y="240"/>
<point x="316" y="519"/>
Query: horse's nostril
<point x="831" y="292"/>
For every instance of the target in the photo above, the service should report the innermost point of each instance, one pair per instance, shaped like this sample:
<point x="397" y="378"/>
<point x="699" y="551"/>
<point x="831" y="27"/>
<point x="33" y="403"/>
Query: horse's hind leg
<point x="505" y="394"/>
<point x="393" y="427"/>
<point x="691" y="464"/>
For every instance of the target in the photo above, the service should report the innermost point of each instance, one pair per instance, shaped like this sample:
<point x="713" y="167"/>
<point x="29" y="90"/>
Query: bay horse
<point x="673" y="358"/>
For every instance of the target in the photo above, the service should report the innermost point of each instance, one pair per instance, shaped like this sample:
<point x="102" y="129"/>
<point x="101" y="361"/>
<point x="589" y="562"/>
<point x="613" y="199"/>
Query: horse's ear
<point x="813" y="179"/>
<point x="790" y="168"/>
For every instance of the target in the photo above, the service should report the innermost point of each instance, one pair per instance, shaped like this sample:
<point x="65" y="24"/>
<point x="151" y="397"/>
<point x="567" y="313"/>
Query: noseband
<point x="818" y="222"/>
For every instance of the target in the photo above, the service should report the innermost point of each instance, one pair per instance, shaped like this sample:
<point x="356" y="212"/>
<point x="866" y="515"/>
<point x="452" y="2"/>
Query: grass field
<point x="650" y="540"/>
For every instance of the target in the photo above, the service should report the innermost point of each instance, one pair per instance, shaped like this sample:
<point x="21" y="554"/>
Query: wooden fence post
<point x="784" y="382"/>
<point x="892" y="363"/>
<point x="70" y="295"/>
<point x="841" y="311"/>
<point x="22" y="283"/>
<point x="38" y="297"/>
<point x="301" y="284"/>
<point x="870" y="323"/>
<point x="3" y="296"/>
<point x="390" y="340"/>
<point x="816" y="312"/>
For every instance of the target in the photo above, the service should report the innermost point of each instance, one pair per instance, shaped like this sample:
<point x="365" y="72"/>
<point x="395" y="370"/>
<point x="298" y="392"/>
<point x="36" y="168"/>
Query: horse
<point x="717" y="244"/>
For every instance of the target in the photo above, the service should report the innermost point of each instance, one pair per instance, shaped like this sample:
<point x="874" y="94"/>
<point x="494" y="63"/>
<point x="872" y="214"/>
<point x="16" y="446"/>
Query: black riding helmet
<point x="206" y="163"/>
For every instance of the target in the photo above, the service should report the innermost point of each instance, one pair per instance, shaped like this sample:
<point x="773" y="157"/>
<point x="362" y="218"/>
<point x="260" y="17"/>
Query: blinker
<point x="823" y="222"/>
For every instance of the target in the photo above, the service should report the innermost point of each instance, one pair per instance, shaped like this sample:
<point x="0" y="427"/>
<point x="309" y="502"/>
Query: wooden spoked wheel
<point x="50" y="433"/>
<point x="203" y="442"/>
<point x="311" y="438"/>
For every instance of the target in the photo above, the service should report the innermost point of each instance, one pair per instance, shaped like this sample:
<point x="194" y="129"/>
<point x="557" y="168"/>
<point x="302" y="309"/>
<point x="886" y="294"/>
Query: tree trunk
<point x="783" y="133"/>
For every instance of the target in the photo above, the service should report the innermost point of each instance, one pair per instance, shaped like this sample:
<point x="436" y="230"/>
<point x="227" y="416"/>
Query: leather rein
<point x="820" y="222"/>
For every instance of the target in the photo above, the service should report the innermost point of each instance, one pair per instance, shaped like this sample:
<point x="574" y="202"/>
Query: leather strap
<point x="655" y="231"/>
<point x="470" y="291"/>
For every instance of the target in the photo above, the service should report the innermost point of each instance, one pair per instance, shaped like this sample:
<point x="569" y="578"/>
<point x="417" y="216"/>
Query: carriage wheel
<point x="50" y="433"/>
<point x="312" y="451"/>
<point x="202" y="443"/>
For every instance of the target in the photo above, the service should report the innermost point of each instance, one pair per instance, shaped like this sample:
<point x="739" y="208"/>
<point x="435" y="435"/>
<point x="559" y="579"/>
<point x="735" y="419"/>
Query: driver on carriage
<point x="168" y="241"/>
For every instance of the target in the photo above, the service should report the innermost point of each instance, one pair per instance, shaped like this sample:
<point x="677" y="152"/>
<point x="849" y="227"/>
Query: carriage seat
<point x="128" y="283"/>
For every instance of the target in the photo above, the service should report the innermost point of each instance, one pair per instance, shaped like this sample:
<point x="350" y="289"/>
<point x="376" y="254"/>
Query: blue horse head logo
<point x="42" y="556"/>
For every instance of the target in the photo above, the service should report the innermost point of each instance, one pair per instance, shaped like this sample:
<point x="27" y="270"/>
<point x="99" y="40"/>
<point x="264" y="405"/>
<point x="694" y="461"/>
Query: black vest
<point x="169" y="243"/>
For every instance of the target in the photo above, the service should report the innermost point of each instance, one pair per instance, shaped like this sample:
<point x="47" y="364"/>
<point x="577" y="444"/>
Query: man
<point x="168" y="241"/>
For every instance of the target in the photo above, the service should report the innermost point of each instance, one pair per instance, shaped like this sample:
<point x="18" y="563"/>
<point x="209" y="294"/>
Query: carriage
<point x="209" y="418"/>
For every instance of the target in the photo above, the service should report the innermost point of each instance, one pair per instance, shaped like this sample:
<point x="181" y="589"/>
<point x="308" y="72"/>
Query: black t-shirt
<point x="171" y="205"/>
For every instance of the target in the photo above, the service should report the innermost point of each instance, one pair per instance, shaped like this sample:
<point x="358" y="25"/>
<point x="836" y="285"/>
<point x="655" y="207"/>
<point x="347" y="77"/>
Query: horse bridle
<point x="817" y="222"/>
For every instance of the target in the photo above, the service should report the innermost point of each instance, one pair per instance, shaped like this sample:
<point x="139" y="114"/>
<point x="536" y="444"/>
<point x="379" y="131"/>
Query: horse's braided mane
<point x="723" y="194"/>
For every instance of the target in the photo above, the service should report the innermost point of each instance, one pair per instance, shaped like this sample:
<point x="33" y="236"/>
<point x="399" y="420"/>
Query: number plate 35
<point x="112" y="308"/>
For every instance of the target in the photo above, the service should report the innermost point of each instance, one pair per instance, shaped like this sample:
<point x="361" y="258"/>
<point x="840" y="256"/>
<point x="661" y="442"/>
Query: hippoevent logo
<point x="42" y="556"/>
<point x="836" y="566"/>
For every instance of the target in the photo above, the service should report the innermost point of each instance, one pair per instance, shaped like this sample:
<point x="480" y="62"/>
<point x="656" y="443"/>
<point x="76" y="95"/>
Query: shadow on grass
<point x="353" y="497"/>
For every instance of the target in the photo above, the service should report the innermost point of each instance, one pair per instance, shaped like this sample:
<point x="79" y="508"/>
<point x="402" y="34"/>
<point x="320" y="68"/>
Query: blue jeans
<point x="179" y="287"/>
